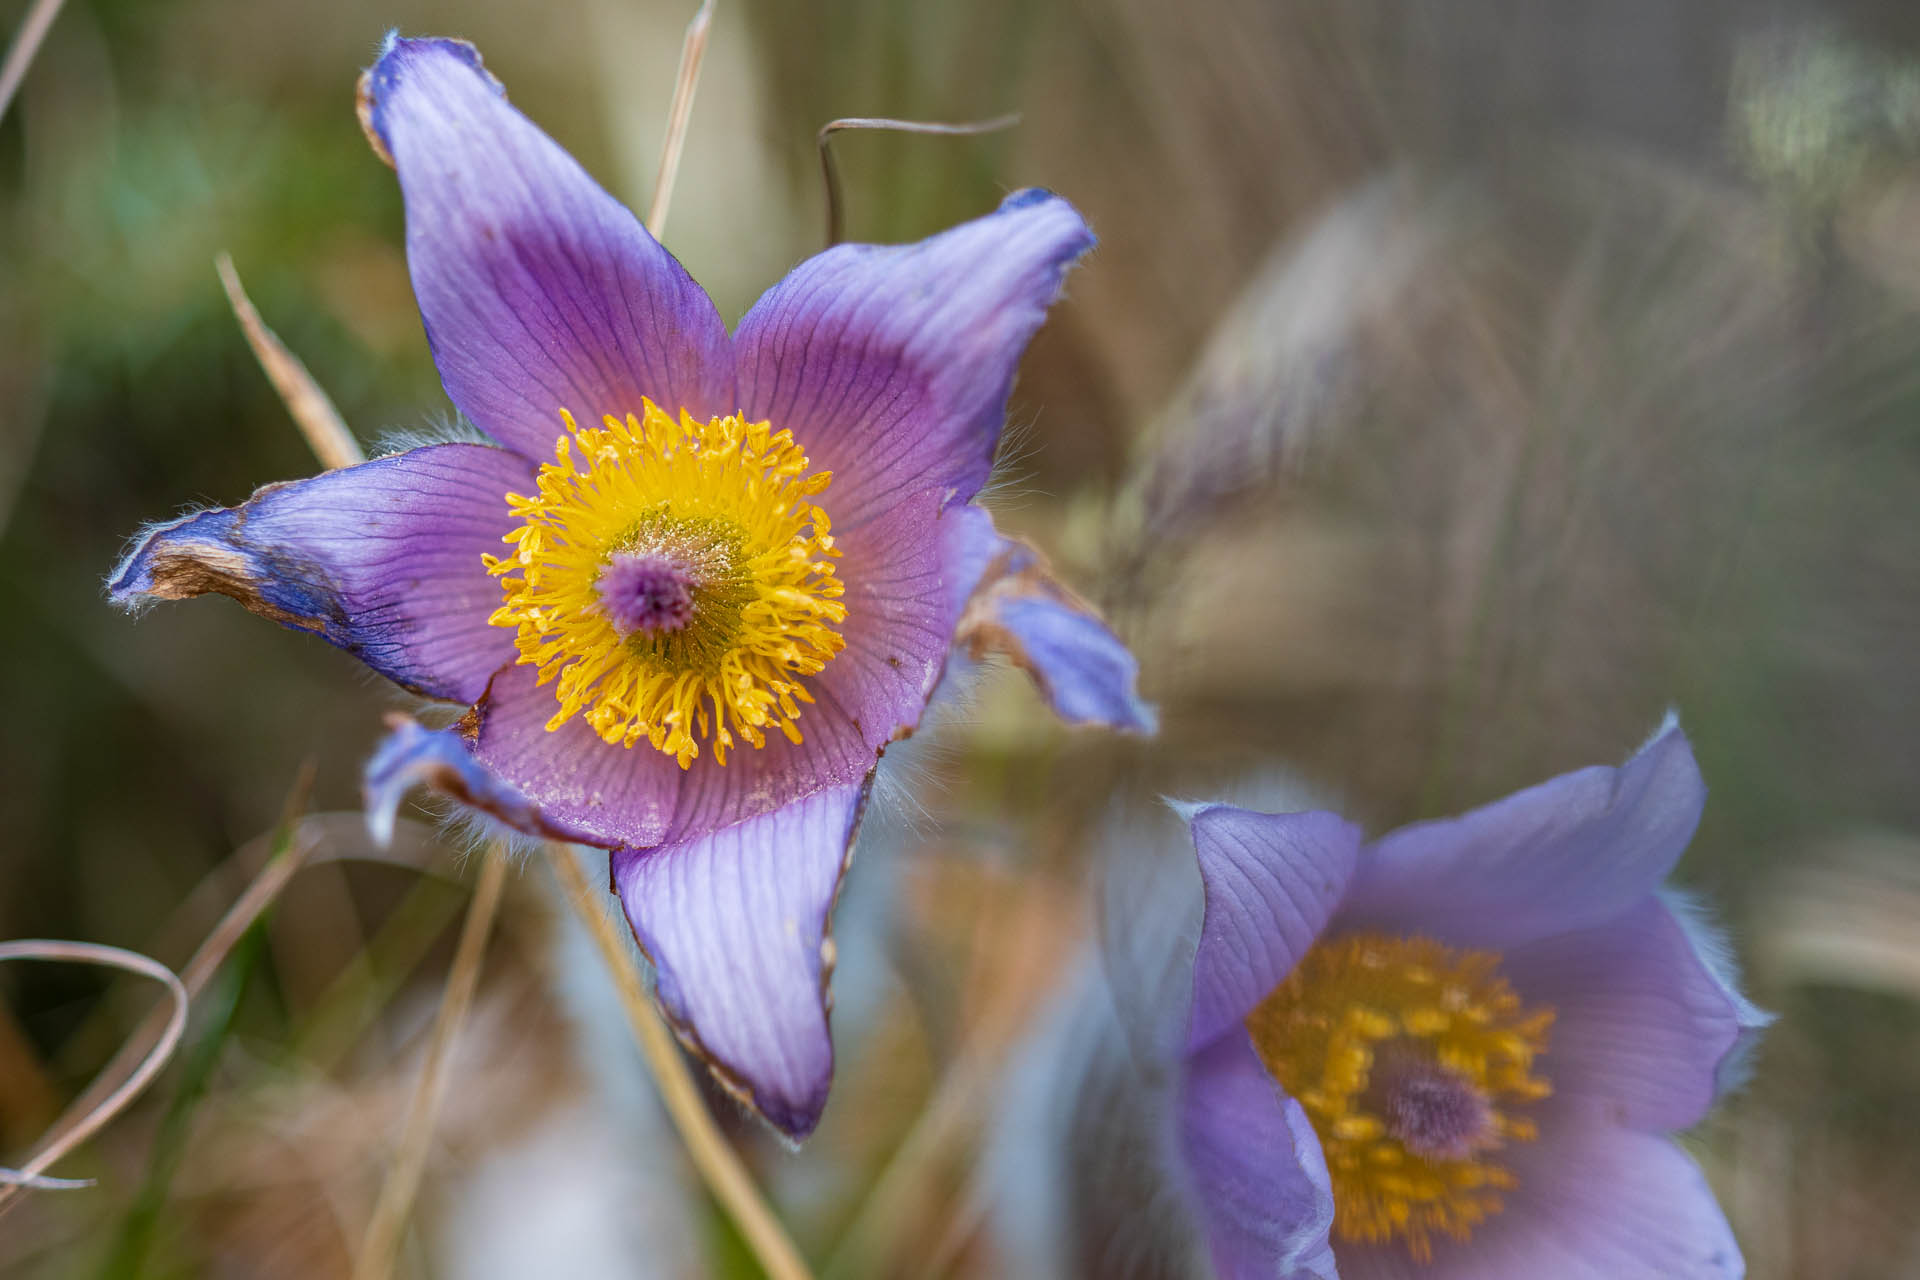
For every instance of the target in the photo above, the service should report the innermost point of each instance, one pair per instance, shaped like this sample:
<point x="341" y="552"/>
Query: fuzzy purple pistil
<point x="646" y="591"/>
<point x="1435" y="1113"/>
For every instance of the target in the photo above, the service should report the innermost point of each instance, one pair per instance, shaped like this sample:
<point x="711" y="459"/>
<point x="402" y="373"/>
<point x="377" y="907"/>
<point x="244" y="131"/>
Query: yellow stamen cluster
<point x="1365" y="1000"/>
<point x="724" y="500"/>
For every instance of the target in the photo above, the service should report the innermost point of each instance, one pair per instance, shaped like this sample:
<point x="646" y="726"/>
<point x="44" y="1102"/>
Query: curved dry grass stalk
<point x="259" y="894"/>
<point x="381" y="1244"/>
<point x="830" y="172"/>
<point x="693" y="51"/>
<point x="312" y="409"/>
<point x="303" y="848"/>
<point x="30" y="1175"/>
<point x="717" y="1163"/>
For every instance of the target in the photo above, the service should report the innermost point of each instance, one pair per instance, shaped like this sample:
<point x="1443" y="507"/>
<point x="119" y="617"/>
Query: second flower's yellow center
<point x="1414" y="1062"/>
<point x="673" y="577"/>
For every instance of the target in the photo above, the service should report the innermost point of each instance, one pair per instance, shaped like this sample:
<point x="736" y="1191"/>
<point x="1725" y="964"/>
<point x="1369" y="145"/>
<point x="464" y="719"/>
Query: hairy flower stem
<point x="382" y="1242"/>
<point x="719" y="1166"/>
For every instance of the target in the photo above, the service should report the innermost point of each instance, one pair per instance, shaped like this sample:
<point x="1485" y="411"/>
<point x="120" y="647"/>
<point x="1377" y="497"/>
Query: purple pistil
<point x="1435" y="1113"/>
<point x="645" y="591"/>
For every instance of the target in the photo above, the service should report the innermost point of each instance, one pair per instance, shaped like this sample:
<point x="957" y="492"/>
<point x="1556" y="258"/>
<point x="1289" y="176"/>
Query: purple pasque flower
<point x="1457" y="1051"/>
<point x="701" y="580"/>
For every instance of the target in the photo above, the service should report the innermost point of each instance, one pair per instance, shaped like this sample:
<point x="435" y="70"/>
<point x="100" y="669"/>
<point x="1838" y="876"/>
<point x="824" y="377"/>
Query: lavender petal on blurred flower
<point x="804" y="645"/>
<point x="1456" y="1051"/>
<point x="1491" y="1023"/>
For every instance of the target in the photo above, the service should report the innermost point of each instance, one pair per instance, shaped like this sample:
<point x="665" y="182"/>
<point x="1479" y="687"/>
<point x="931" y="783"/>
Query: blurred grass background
<point x="1457" y="387"/>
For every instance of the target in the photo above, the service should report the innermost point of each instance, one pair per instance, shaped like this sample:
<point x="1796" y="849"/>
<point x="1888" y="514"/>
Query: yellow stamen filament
<point x="1361" y="1011"/>
<point x="724" y="503"/>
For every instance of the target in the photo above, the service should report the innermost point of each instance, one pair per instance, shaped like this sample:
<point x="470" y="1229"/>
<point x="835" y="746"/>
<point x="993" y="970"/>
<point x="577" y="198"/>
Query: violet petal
<point x="540" y="291"/>
<point x="892" y="365"/>
<point x="413" y="755"/>
<point x="1641" y="1024"/>
<point x="380" y="559"/>
<point x="1022" y="612"/>
<point x="1567" y="854"/>
<point x="1272" y="882"/>
<point x="735" y="923"/>
<point x="1602" y="1204"/>
<point x="1260" y="1179"/>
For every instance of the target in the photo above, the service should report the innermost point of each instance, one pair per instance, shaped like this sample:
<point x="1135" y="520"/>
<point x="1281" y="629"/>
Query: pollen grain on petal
<point x="672" y="580"/>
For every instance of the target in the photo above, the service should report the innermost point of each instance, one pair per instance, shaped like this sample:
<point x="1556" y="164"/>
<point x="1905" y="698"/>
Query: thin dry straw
<point x="381" y="1244"/>
<point x="12" y="1182"/>
<point x="33" y="29"/>
<point x="693" y="51"/>
<point x="293" y="842"/>
<point x="312" y="410"/>
<point x="716" y="1161"/>
<point x="830" y="172"/>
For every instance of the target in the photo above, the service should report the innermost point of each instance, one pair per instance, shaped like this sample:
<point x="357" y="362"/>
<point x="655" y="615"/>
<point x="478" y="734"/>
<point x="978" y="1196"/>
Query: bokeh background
<point x="1459" y="385"/>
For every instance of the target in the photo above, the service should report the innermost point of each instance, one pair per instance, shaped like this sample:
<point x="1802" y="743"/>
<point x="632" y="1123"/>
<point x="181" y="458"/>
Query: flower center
<point x="646" y="591"/>
<point x="1413" y="1060"/>
<point x="673" y="580"/>
<point x="1435" y="1113"/>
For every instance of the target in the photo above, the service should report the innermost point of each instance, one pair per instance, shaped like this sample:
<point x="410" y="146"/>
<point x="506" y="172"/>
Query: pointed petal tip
<point x="1669" y="724"/>
<point x="1563" y="855"/>
<point x="379" y="559"/>
<point x="413" y="755"/>
<point x="398" y="52"/>
<point x="736" y="925"/>
<point x="131" y="583"/>
<point x="1018" y="608"/>
<point x="1669" y="747"/>
<point x="1711" y="949"/>
<point x="1040" y="198"/>
<point x="1187" y="809"/>
<point x="510" y="241"/>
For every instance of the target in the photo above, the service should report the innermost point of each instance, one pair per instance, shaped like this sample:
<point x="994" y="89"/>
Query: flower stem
<point x="725" y="1176"/>
<point x="382" y="1241"/>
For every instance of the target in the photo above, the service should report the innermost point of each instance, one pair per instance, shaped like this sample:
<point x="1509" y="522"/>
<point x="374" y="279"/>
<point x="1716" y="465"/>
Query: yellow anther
<point x="723" y="504"/>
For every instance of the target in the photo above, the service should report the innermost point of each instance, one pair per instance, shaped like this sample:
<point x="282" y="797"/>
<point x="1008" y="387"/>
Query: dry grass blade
<point x="725" y="1176"/>
<point x="20" y="54"/>
<point x="389" y="1223"/>
<point x="29" y="1174"/>
<point x="313" y="412"/>
<point x="294" y="841"/>
<point x="830" y="172"/>
<point x="693" y="51"/>
<point x="42" y="1182"/>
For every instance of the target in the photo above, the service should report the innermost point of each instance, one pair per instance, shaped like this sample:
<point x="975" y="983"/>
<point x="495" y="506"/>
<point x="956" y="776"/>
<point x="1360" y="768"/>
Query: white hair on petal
<point x="1710" y="944"/>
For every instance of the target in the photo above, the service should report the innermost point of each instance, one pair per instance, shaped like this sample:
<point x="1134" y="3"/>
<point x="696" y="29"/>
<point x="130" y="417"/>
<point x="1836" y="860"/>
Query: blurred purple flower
<point x="1457" y="1051"/>
<point x="673" y="586"/>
